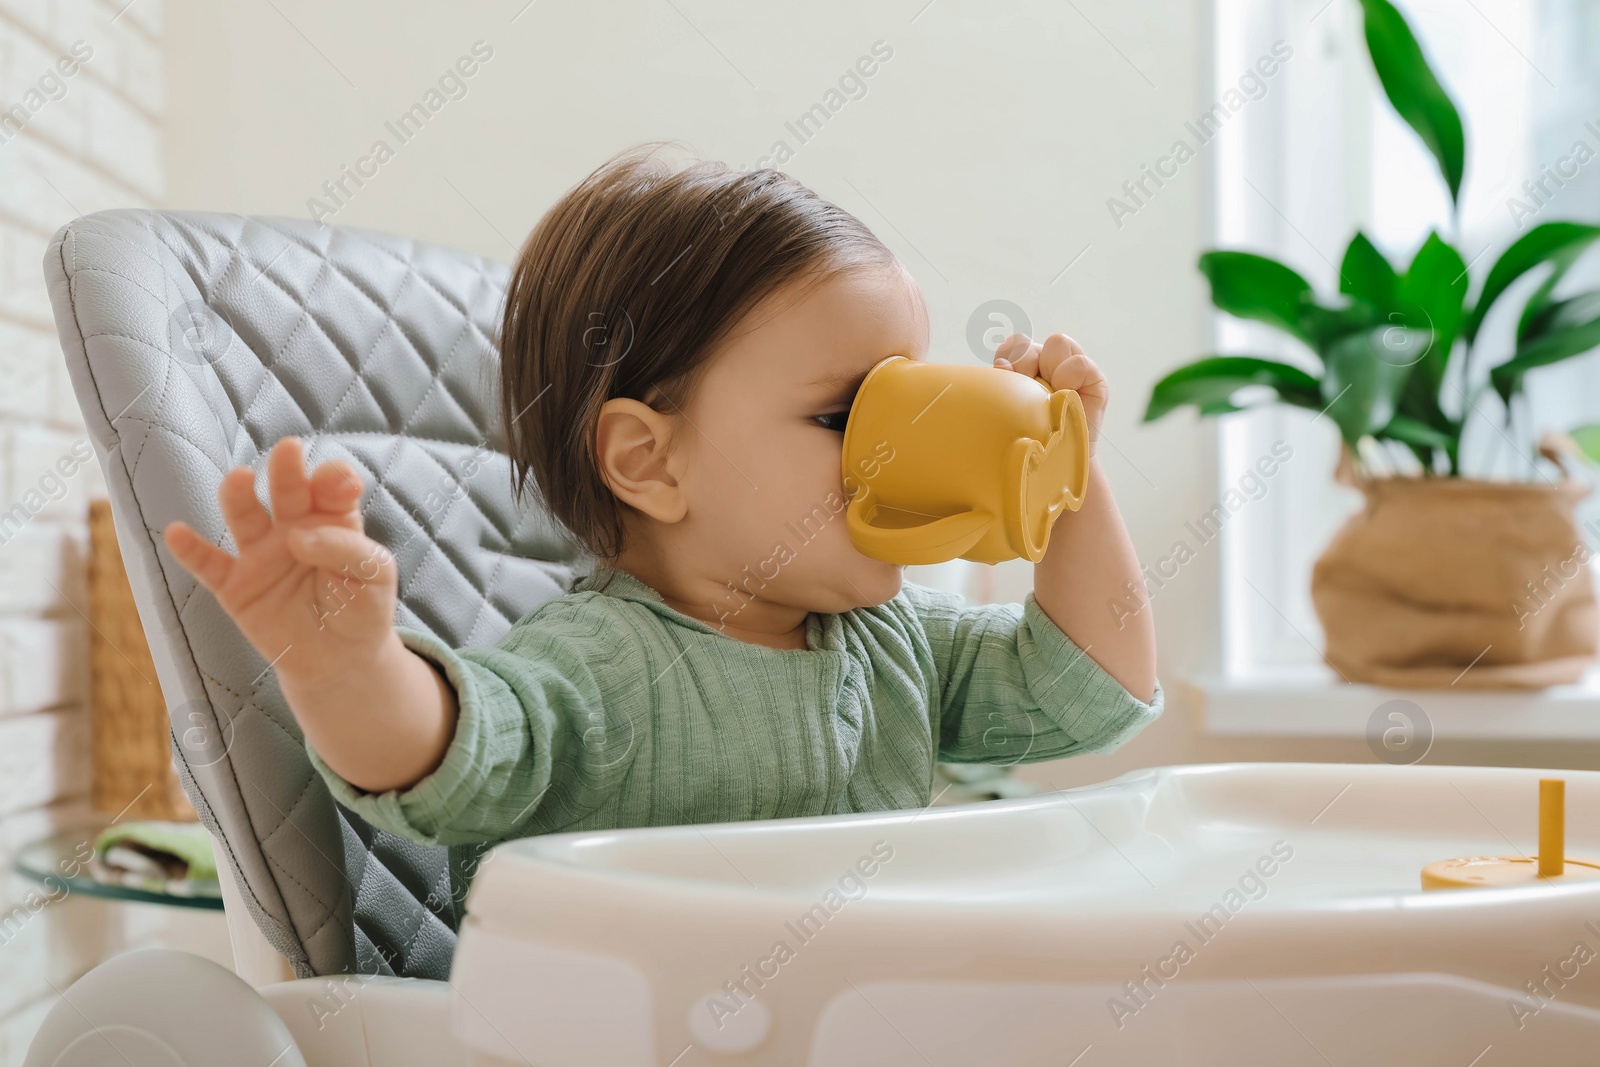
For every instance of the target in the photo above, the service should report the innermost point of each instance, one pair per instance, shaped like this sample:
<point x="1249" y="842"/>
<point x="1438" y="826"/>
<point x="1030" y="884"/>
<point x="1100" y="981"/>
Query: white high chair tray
<point x="1219" y="914"/>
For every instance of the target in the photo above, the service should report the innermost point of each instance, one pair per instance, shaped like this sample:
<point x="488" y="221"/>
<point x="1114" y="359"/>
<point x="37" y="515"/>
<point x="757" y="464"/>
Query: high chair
<point x="1229" y="914"/>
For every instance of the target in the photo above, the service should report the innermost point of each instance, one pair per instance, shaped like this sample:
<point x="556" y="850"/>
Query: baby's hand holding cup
<point x="1061" y="362"/>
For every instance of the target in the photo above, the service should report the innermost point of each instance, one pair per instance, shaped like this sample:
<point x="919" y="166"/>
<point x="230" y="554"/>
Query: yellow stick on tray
<point x="1552" y="827"/>
<point x="1550" y="865"/>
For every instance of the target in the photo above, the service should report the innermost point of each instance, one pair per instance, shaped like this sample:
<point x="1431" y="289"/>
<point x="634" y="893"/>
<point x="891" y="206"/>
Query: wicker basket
<point x="131" y="737"/>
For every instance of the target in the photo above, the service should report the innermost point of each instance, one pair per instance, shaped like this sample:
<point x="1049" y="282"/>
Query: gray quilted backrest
<point x="195" y="341"/>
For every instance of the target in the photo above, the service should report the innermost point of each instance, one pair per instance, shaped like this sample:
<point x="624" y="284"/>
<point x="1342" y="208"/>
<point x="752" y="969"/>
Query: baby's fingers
<point x="1062" y="361"/>
<point x="342" y="551"/>
<point x="336" y="493"/>
<point x="1020" y="354"/>
<point x="209" y="564"/>
<point x="1076" y="371"/>
<point x="247" y="520"/>
<point x="287" y="484"/>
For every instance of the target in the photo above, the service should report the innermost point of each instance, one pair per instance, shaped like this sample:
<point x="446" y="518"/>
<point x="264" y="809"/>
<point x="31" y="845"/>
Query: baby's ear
<point x="634" y="448"/>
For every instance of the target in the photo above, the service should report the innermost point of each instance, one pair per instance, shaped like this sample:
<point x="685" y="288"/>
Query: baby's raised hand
<point x="308" y="589"/>
<point x="1060" y="361"/>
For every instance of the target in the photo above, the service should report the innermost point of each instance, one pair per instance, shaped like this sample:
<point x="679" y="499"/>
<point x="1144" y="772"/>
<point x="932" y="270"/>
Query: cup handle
<point x="935" y="541"/>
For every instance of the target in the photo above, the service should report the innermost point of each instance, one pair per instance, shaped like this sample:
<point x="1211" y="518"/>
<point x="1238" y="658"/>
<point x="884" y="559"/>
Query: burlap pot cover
<point x="1454" y="582"/>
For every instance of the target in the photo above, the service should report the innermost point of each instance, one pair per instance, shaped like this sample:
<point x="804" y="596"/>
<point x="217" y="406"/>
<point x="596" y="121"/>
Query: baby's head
<point x="680" y="348"/>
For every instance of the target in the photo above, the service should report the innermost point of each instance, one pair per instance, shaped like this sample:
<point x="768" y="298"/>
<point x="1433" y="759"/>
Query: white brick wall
<point x="93" y="142"/>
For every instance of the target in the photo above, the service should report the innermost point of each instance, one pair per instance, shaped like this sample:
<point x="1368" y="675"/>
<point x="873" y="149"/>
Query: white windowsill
<point x="1312" y="702"/>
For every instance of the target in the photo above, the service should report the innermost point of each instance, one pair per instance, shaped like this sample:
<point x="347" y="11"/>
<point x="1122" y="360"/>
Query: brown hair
<point x="625" y="287"/>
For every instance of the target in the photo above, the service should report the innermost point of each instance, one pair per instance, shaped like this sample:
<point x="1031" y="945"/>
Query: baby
<point x="679" y="351"/>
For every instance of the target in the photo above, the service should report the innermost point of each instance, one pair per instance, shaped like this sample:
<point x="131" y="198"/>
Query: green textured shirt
<point x="612" y="709"/>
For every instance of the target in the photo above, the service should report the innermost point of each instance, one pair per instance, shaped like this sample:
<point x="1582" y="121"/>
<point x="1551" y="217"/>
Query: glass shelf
<point x="64" y="863"/>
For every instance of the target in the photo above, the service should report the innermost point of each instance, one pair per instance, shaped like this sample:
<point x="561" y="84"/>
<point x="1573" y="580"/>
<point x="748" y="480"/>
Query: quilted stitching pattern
<point x="375" y="349"/>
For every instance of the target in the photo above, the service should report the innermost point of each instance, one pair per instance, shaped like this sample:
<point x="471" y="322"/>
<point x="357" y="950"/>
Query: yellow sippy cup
<point x="942" y="461"/>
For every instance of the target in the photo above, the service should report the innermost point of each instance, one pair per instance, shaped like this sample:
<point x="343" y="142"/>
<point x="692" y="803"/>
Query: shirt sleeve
<point x="1015" y="689"/>
<point x="537" y="744"/>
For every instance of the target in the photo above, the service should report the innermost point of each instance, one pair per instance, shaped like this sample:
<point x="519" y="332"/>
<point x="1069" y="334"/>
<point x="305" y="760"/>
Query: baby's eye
<point x="834" y="421"/>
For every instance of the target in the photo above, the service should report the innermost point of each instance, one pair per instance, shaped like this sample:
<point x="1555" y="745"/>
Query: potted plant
<point x="1441" y="579"/>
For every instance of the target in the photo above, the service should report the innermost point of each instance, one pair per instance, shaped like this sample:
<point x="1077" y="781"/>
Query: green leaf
<point x="1248" y="286"/>
<point x="1550" y="241"/>
<point x="1366" y="274"/>
<point x="1419" y="402"/>
<point x="1537" y="311"/>
<point x="1561" y="342"/>
<point x="1588" y="439"/>
<point x="1563" y="315"/>
<point x="1414" y="90"/>
<point x="1412" y="432"/>
<point x="1325" y="325"/>
<point x="1431" y="295"/>
<point x="1209" y="382"/>
<point x="1365" y="375"/>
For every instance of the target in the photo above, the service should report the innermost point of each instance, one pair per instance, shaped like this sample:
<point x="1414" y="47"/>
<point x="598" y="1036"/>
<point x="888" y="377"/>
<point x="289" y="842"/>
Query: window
<point x="1321" y="154"/>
